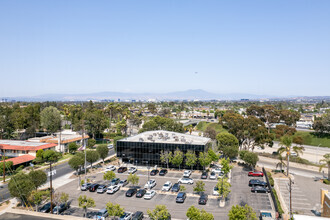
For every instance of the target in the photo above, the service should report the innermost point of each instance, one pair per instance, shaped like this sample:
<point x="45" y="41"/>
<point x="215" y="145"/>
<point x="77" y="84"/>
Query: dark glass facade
<point x="143" y="153"/>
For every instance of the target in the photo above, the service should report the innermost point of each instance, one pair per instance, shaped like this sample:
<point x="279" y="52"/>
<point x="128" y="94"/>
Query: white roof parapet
<point x="161" y="136"/>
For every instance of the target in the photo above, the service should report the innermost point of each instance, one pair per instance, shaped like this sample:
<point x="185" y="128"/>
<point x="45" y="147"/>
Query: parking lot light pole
<point x="148" y="175"/>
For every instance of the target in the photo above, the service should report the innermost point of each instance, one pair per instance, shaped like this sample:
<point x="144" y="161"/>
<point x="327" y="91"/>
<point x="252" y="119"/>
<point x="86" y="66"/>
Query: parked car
<point x="167" y="186"/>
<point x="46" y="208"/>
<point x="203" y="199"/>
<point x="101" y="189"/>
<point x="113" y="189"/>
<point x="256" y="182"/>
<point x="163" y="172"/>
<point x="186" y="181"/>
<point x="132" y="170"/>
<point x="294" y="154"/>
<point x="126" y="216"/>
<point x="217" y="170"/>
<point x="140" y="193"/>
<point x="150" y="184"/>
<point x="102" y="213"/>
<point x="153" y="172"/>
<point x="215" y="191"/>
<point x="213" y="176"/>
<point x="187" y="173"/>
<point x="110" y="168"/>
<point x="259" y="189"/>
<point x="85" y="186"/>
<point x="131" y="192"/>
<point x="110" y="146"/>
<point x="137" y="216"/>
<point x="61" y="208"/>
<point x="176" y="187"/>
<point x="149" y="194"/>
<point x="94" y="187"/>
<point x="256" y="173"/>
<point x="114" y="182"/>
<point x="181" y="197"/>
<point x="204" y="175"/>
<point x="123" y="183"/>
<point x="122" y="169"/>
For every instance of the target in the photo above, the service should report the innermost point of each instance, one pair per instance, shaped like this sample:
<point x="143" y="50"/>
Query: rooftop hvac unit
<point x="176" y="139"/>
<point x="141" y="139"/>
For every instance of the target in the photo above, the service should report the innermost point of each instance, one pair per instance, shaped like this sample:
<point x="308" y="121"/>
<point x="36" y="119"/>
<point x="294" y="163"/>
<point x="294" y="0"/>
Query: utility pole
<point x="51" y="187"/>
<point x="288" y="160"/>
<point x="290" y="192"/>
<point x="4" y="164"/>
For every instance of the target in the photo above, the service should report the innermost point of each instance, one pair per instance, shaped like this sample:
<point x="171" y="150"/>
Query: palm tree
<point x="326" y="162"/>
<point x="286" y="143"/>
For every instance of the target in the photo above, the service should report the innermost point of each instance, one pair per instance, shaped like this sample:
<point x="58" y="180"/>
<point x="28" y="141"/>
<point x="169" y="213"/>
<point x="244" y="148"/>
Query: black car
<point x="203" y="199"/>
<point x="137" y="215"/>
<point x="204" y="175"/>
<point x="259" y="189"/>
<point x="140" y="193"/>
<point x="114" y="181"/>
<point x="153" y="172"/>
<point x="255" y="182"/>
<point x="122" y="169"/>
<point x="61" y="208"/>
<point x="94" y="187"/>
<point x="163" y="172"/>
<point x="131" y="192"/>
<point x="46" y="207"/>
<point x="175" y="187"/>
<point x="181" y="197"/>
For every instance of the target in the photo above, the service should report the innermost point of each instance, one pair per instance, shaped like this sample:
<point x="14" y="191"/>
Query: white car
<point x="150" y="184"/>
<point x="213" y="176"/>
<point x="217" y="170"/>
<point x="132" y="170"/>
<point x="215" y="191"/>
<point x="294" y="154"/>
<point x="126" y="216"/>
<point x="186" y="181"/>
<point x="113" y="189"/>
<point x="149" y="194"/>
<point x="110" y="146"/>
<point x="167" y="186"/>
<point x="110" y="168"/>
<point x="187" y="173"/>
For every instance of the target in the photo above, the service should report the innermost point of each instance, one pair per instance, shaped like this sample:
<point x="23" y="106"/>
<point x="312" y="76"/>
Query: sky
<point x="279" y="48"/>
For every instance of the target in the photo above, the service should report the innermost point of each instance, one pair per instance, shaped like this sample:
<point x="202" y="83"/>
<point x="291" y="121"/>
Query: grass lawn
<point x="203" y="125"/>
<point x="311" y="138"/>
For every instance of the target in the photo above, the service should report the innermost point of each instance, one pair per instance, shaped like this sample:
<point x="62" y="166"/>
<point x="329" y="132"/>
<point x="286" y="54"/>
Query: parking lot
<point x="240" y="194"/>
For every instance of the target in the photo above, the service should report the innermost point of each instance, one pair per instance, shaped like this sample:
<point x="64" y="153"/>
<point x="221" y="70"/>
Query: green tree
<point x="242" y="213"/>
<point x="223" y="187"/>
<point x="92" y="156"/>
<point x="325" y="162"/>
<point x="182" y="188"/>
<point x="103" y="151"/>
<point x="8" y="165"/>
<point x="226" y="167"/>
<point x="95" y="121"/>
<point x="39" y="156"/>
<point x="210" y="132"/>
<point x="159" y="213"/>
<point x="204" y="159"/>
<point x="51" y="156"/>
<point x="166" y="157"/>
<point x="228" y="144"/>
<point x="177" y="158"/>
<point x="200" y="186"/>
<point x="133" y="179"/>
<point x="191" y="159"/>
<point x="38" y="178"/>
<point x="21" y="187"/>
<point x="50" y="119"/>
<point x="37" y="197"/>
<point x="250" y="158"/>
<point x="114" y="210"/>
<point x="73" y="147"/>
<point x="110" y="175"/>
<point x="64" y="198"/>
<point x="162" y="123"/>
<point x="76" y="162"/>
<point x="214" y="156"/>
<point x="84" y="202"/>
<point x="195" y="214"/>
<point x="91" y="143"/>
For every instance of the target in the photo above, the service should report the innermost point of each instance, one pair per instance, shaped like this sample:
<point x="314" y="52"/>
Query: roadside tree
<point x="76" y="162"/>
<point x="38" y="178"/>
<point x="21" y="187"/>
<point x="73" y="147"/>
<point x="325" y="162"/>
<point x="92" y="156"/>
<point x="84" y="202"/>
<point x="103" y="151"/>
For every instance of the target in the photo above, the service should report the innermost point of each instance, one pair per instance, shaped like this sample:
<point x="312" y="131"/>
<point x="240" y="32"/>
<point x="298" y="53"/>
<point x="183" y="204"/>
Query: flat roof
<point x="161" y="136"/>
<point x="24" y="145"/>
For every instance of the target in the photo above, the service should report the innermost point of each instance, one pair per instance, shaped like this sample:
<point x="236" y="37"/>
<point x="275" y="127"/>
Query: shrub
<point x="280" y="210"/>
<point x="326" y="181"/>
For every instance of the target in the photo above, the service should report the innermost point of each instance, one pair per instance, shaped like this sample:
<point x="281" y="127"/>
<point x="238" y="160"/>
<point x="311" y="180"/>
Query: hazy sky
<point x="250" y="46"/>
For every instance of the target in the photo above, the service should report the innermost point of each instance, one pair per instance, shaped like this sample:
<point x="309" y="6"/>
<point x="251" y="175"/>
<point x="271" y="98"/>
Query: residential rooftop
<point x="161" y="136"/>
<point x="24" y="145"/>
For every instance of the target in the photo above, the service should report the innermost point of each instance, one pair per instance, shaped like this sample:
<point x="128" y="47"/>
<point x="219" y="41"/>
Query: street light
<point x="148" y="175"/>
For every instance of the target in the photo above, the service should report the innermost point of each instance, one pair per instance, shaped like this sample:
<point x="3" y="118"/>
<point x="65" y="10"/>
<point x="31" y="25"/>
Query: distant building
<point x="145" y="148"/>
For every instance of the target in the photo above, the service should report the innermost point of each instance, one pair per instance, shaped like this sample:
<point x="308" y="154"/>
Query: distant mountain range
<point x="196" y="94"/>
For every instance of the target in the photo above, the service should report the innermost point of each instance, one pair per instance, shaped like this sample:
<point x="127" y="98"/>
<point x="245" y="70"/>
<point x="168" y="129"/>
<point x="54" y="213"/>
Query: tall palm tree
<point x="326" y="162"/>
<point x="286" y="143"/>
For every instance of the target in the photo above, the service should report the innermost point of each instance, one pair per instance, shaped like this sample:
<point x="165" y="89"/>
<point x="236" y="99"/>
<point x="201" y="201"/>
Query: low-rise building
<point x="14" y="148"/>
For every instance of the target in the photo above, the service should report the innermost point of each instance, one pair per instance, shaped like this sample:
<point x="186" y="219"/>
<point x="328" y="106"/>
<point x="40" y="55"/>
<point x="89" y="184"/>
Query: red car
<point x="256" y="173"/>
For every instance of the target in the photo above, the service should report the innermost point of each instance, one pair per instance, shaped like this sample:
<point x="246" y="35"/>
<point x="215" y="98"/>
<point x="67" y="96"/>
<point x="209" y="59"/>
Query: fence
<point x="271" y="192"/>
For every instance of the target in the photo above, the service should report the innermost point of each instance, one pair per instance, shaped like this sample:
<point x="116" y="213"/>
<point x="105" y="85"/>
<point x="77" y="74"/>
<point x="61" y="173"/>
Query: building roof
<point x="24" y="145"/>
<point x="161" y="136"/>
<point x="65" y="138"/>
<point x="21" y="159"/>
